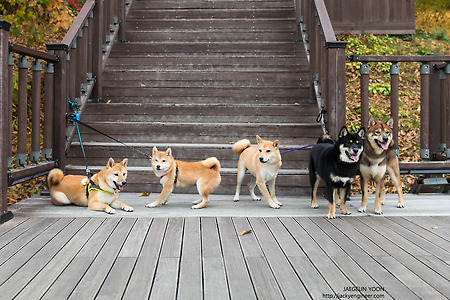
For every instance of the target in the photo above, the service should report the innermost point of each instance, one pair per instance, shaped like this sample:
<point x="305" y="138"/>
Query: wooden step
<point x="217" y="133"/>
<point x="97" y="153"/>
<point x="198" y="76"/>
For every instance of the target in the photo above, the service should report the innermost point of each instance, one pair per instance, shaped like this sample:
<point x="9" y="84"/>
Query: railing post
<point x="60" y="103"/>
<point x="424" y="111"/>
<point x="49" y="80"/>
<point x="22" y="131"/>
<point x="364" y="71"/>
<point x="335" y="85"/>
<point x="5" y="111"/>
<point x="35" y="155"/>
<point x="447" y="94"/>
<point x="394" y="71"/>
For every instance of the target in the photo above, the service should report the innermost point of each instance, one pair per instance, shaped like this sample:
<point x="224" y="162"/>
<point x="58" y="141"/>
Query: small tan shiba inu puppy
<point x="174" y="173"/>
<point x="263" y="162"/>
<point x="99" y="194"/>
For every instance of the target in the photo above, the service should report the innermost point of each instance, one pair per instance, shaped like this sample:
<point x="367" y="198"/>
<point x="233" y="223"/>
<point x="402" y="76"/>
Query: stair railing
<point x="72" y="71"/>
<point x="326" y="62"/>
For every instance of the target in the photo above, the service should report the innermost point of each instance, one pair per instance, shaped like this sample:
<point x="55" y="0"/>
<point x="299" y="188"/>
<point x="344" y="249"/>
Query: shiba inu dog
<point x="379" y="156"/>
<point x="263" y="162"/>
<point x="337" y="163"/>
<point x="174" y="173"/>
<point x="100" y="193"/>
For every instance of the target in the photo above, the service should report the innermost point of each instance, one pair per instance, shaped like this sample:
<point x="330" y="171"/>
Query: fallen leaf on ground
<point x="244" y="232"/>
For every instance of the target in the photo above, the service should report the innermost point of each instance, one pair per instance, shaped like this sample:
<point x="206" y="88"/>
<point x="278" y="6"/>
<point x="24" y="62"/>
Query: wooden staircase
<point x="197" y="76"/>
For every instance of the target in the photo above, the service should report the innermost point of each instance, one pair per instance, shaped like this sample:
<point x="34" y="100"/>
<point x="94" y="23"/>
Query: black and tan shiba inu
<point x="337" y="163"/>
<point x="379" y="156"/>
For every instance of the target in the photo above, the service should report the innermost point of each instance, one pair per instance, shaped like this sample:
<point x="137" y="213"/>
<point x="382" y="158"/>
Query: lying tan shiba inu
<point x="379" y="156"/>
<point x="174" y="173"/>
<point x="263" y="162"/>
<point x="101" y="193"/>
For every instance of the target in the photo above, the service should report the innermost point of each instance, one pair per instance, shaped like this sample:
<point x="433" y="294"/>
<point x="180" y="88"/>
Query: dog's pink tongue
<point x="355" y="158"/>
<point x="120" y="187"/>
<point x="384" y="146"/>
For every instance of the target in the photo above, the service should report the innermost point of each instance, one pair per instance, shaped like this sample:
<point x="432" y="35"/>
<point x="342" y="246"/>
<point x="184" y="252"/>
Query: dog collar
<point x="176" y="175"/>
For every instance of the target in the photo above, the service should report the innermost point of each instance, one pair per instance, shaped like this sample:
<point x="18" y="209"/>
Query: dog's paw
<point x="314" y="206"/>
<point x="127" y="208"/>
<point x="275" y="206"/>
<point x="331" y="216"/>
<point x="197" y="201"/>
<point x="378" y="212"/>
<point x="362" y="209"/>
<point x="346" y="212"/>
<point x="400" y="205"/>
<point x="256" y="199"/>
<point x="110" y="210"/>
<point x="153" y="204"/>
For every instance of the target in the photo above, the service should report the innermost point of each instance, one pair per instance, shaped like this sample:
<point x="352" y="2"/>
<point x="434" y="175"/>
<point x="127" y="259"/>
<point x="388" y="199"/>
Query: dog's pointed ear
<point x="371" y="122"/>
<point x="343" y="132"/>
<point x="154" y="151"/>
<point x="362" y="132"/>
<point x="390" y="123"/>
<point x="125" y="162"/>
<point x="169" y="152"/>
<point x="110" y="163"/>
<point x="276" y="144"/>
<point x="259" y="139"/>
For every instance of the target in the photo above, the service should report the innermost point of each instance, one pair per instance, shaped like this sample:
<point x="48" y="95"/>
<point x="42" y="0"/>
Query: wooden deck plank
<point x="23" y="236"/>
<point x="422" y="238"/>
<point x="214" y="273"/>
<point x="406" y="266"/>
<point x="166" y="277"/>
<point x="98" y="271"/>
<point x="43" y="248"/>
<point x="51" y="272"/>
<point x="141" y="281"/>
<point x="291" y="245"/>
<point x="190" y="285"/>
<point x="322" y="262"/>
<point x="116" y="282"/>
<point x="264" y="281"/>
<point x="287" y="279"/>
<point x="239" y="282"/>
<point x="410" y="259"/>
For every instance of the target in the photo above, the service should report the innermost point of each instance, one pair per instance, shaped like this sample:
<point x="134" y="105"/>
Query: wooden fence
<point x="72" y="71"/>
<point x="372" y="16"/>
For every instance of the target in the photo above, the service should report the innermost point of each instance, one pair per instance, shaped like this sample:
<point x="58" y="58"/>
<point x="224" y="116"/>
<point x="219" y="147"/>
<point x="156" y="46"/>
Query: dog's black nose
<point x="158" y="167"/>
<point x="261" y="159"/>
<point x="124" y="182"/>
<point x="385" y="139"/>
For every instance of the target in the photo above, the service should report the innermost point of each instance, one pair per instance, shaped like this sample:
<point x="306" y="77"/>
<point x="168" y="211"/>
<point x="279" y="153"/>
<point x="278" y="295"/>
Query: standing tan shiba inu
<point x="100" y="193"/>
<point x="263" y="162"/>
<point x="379" y="156"/>
<point x="174" y="173"/>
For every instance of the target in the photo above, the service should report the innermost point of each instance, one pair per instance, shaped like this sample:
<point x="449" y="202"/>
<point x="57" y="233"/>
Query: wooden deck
<point x="174" y="252"/>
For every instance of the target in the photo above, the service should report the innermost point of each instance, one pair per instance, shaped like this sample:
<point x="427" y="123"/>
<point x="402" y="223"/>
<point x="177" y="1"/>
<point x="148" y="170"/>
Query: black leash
<point x="73" y="118"/>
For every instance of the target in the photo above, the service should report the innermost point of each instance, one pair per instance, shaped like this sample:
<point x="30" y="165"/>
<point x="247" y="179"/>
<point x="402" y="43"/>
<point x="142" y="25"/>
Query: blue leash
<point x="77" y="118"/>
<point x="304" y="147"/>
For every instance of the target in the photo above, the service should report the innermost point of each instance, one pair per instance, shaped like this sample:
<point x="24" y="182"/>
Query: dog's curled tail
<point x="241" y="145"/>
<point x="54" y="177"/>
<point x="325" y="138"/>
<point x="212" y="163"/>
